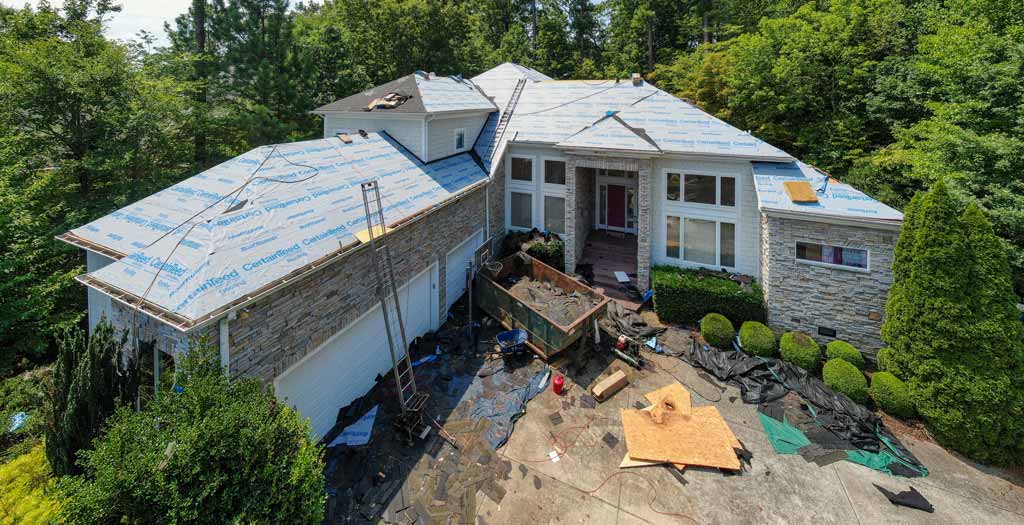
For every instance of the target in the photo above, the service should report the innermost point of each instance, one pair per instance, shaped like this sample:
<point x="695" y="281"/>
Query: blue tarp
<point x="504" y="404"/>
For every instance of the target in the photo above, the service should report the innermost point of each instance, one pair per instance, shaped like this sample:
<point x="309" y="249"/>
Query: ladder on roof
<point x="506" y="116"/>
<point x="409" y="398"/>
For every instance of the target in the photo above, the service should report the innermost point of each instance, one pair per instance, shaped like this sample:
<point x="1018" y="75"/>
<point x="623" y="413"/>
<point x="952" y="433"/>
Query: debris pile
<point x="551" y="301"/>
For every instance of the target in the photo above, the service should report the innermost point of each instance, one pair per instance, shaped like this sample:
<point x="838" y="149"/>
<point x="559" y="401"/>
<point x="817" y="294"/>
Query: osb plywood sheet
<point x="800" y="191"/>
<point x="713" y="412"/>
<point x="675" y="393"/>
<point x="701" y="438"/>
<point x="628" y="462"/>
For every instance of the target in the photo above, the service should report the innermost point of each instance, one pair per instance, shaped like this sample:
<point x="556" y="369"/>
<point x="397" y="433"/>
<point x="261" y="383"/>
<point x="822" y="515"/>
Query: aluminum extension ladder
<point x="410" y="398"/>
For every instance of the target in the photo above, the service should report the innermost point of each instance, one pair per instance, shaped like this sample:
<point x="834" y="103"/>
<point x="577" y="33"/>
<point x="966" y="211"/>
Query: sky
<point x="135" y="15"/>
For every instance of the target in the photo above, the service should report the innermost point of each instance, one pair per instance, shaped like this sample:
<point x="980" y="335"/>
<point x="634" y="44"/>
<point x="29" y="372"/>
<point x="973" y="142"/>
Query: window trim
<point x="455" y="139"/>
<point x="682" y="202"/>
<point x="549" y="186"/>
<point x="533" y="172"/>
<point x="832" y="266"/>
<point x="681" y="261"/>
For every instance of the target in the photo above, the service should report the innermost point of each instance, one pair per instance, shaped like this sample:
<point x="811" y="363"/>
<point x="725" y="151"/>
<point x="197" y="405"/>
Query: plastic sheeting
<point x="357" y="433"/>
<point x="834" y="198"/>
<point x="302" y="203"/>
<point x="502" y="401"/>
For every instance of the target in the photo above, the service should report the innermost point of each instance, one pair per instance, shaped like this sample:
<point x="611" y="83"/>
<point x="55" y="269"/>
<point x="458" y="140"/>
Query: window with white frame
<point x="700" y="241"/>
<point x="832" y="255"/>
<point x="554" y="172"/>
<point x="554" y="214"/>
<point x="522" y="169"/>
<point x="521" y="209"/>
<point x="460" y="139"/>
<point x="712" y="190"/>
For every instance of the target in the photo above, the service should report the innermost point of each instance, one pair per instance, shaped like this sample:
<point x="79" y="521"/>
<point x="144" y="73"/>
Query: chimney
<point x="637" y="79"/>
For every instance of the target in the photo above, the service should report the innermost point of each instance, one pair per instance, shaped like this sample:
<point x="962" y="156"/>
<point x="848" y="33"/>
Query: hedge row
<point x="685" y="296"/>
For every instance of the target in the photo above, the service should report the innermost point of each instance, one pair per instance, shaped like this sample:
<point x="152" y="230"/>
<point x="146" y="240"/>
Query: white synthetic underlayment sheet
<point x="449" y="94"/>
<point x="281" y="227"/>
<point x="838" y="199"/>
<point x="609" y="133"/>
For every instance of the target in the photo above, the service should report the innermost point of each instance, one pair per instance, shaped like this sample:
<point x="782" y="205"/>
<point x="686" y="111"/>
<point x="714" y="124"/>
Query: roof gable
<point x="612" y="133"/>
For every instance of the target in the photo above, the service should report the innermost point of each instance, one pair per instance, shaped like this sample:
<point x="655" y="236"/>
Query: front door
<point x="616" y="206"/>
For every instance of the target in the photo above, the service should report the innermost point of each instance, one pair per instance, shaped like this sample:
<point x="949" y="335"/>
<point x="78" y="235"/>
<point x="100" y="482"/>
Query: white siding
<point x="441" y="134"/>
<point x="745" y="214"/>
<point x="407" y="131"/>
<point x="99" y="303"/>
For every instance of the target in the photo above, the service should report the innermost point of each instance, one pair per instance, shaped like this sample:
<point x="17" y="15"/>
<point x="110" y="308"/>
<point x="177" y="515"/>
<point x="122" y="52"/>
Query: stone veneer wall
<point x="279" y="330"/>
<point x="165" y="338"/>
<point x="802" y="296"/>
<point x="497" y="202"/>
<point x="586" y="186"/>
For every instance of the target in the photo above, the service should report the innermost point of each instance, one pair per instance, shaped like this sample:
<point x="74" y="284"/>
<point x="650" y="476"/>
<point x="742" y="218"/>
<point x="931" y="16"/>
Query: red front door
<point x="616" y="206"/>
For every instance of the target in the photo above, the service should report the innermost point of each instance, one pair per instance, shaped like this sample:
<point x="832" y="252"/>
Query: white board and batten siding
<point x="409" y="131"/>
<point x="744" y="215"/>
<point x="441" y="134"/>
<point x="345" y="367"/>
<point x="455" y="267"/>
<point x="99" y="302"/>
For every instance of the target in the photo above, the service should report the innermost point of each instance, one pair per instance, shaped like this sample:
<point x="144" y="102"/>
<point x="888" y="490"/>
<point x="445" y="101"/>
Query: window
<point x="699" y="241"/>
<point x="832" y="255"/>
<point x="522" y="210"/>
<point x="554" y="172"/>
<point x="554" y="214"/>
<point x="460" y="139"/>
<point x="522" y="169"/>
<point x="699" y="189"/>
<point x="672" y="191"/>
<point x="728" y="187"/>
<point x="672" y="237"/>
<point x="727" y="243"/>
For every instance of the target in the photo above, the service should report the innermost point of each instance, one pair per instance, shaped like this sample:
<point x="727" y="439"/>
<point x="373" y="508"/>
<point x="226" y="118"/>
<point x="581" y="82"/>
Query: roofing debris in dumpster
<point x="551" y="301"/>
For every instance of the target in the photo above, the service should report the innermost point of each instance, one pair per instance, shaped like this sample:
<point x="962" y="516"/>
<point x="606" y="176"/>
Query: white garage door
<point x="455" y="267"/>
<point x="345" y="367"/>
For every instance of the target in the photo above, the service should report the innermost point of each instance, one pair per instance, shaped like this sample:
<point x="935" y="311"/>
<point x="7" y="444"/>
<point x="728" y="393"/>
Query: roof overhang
<point x="86" y="244"/>
<point x="842" y="220"/>
<point x="608" y="152"/>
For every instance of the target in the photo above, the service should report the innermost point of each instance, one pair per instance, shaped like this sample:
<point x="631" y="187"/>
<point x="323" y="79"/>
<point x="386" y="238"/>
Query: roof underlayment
<point x="427" y="95"/>
<point x="611" y="133"/>
<point x="834" y="199"/>
<point x="303" y="205"/>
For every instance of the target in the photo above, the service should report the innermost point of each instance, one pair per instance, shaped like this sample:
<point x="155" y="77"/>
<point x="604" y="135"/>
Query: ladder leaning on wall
<point x="410" y="399"/>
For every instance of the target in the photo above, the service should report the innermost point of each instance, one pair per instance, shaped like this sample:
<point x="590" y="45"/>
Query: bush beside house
<point x="885" y="360"/>
<point x="717" y="331"/>
<point x="842" y="350"/>
<point x="757" y="339"/>
<point x="953" y="326"/>
<point x="26" y="490"/>
<point x="845" y="378"/>
<point x="891" y="395"/>
<point x="551" y="253"/>
<point x="801" y="350"/>
<point x="219" y="452"/>
<point x="685" y="296"/>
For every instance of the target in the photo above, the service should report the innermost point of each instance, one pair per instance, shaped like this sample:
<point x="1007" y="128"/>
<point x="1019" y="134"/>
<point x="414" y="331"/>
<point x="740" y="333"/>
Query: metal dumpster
<point x="547" y="337"/>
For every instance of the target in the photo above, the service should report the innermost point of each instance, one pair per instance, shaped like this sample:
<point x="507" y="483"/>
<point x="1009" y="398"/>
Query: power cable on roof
<point x="613" y="86"/>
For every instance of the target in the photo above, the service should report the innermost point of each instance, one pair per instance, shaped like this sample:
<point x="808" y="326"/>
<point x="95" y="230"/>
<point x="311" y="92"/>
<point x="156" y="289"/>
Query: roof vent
<point x="362" y="133"/>
<point x="637" y="79"/>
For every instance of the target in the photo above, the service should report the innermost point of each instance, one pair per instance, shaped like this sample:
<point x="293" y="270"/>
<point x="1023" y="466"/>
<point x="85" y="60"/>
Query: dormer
<point x="431" y="116"/>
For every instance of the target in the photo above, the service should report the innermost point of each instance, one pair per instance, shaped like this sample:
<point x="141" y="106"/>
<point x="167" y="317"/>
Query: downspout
<point x="225" y="343"/>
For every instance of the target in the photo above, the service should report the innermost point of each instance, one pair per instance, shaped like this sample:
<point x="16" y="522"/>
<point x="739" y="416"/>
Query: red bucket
<point x="558" y="384"/>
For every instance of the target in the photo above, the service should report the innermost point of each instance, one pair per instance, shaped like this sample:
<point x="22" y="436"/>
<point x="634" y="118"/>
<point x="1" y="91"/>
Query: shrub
<point x="685" y="296"/>
<point x="845" y="378"/>
<point x="801" y="350"/>
<point x="23" y="393"/>
<point x="551" y="253"/>
<point x="25" y="489"/>
<point x="717" y="330"/>
<point x="886" y="361"/>
<point x="846" y="352"/>
<point x="757" y="339"/>
<point x="89" y="383"/>
<point x="891" y="395"/>
<point x="219" y="452"/>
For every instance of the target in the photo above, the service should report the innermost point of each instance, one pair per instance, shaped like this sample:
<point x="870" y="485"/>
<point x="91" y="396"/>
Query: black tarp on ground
<point x="841" y="422"/>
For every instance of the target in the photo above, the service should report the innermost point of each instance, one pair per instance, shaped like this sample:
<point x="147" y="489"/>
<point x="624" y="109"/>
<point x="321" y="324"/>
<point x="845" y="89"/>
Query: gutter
<point x="844" y="220"/>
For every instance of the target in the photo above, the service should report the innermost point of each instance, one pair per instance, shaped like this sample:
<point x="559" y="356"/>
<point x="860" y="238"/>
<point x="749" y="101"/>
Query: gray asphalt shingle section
<point x="433" y="95"/>
<point x="403" y="86"/>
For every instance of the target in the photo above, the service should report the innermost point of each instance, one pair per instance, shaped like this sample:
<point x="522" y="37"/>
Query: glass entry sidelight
<point x="617" y="207"/>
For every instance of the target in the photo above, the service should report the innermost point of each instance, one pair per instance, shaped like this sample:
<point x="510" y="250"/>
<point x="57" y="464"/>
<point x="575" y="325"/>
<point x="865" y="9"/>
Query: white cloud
<point x="135" y="15"/>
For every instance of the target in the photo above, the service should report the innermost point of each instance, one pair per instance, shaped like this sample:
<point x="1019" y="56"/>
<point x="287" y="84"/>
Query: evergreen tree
<point x="90" y="381"/>
<point x="553" y="53"/>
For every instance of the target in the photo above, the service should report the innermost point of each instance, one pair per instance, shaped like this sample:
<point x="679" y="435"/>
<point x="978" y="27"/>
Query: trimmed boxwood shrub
<point x="846" y="352"/>
<point x="685" y="296"/>
<point x="885" y="360"/>
<point x="891" y="395"/>
<point x="801" y="350"/>
<point x="841" y="376"/>
<point x="757" y="339"/>
<point x="717" y="330"/>
<point x="551" y="253"/>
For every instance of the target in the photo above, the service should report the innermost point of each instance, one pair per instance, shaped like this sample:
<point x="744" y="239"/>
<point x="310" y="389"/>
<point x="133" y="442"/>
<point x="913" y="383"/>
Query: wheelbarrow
<point x="511" y="342"/>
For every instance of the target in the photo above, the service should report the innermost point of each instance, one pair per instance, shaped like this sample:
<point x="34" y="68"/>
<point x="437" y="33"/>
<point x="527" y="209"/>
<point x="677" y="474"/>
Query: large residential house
<point x="265" y="254"/>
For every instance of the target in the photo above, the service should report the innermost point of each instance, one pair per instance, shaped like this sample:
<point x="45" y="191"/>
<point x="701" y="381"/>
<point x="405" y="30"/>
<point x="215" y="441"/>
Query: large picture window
<point x="832" y="255"/>
<point x="522" y="169"/>
<point x="521" y="205"/>
<point x="672" y="237"/>
<point x="554" y="172"/>
<point x="701" y="189"/>
<point x="699" y="241"/>
<point x="554" y="214"/>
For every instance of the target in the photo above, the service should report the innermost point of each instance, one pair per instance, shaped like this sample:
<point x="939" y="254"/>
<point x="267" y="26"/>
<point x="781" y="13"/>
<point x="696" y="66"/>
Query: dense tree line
<point x="890" y="95"/>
